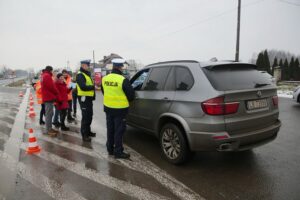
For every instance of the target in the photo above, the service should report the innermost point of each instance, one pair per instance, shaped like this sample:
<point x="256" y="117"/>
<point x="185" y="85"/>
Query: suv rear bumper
<point x="203" y="141"/>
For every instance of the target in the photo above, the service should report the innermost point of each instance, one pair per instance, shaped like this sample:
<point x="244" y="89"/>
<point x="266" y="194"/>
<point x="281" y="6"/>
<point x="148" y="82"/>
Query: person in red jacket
<point x="62" y="103"/>
<point x="49" y="96"/>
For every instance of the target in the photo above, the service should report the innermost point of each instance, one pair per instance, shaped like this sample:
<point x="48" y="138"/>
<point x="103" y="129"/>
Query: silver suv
<point x="213" y="106"/>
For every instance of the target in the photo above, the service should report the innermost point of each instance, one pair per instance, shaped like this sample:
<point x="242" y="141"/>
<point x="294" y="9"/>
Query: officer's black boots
<point x="122" y="156"/>
<point x="91" y="134"/>
<point x="86" y="139"/>
<point x="64" y="128"/>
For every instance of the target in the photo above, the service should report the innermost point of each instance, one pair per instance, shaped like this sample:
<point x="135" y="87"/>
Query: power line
<point x="291" y="3"/>
<point x="206" y="20"/>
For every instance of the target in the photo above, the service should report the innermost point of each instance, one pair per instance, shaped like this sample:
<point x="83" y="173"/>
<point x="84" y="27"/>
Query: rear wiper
<point x="257" y="85"/>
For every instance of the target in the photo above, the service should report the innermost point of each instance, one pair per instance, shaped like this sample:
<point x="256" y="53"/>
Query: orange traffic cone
<point x="32" y="145"/>
<point x="31" y="98"/>
<point x="21" y="94"/>
<point x="31" y="102"/>
<point x="31" y="108"/>
<point x="31" y="112"/>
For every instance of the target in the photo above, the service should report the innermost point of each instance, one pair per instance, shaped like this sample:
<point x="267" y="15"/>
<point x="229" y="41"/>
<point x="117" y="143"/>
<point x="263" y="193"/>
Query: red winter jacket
<point x="62" y="100"/>
<point x="49" y="91"/>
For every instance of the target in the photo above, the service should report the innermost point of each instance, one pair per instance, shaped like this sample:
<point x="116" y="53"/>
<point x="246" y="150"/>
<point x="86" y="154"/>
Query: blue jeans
<point x="56" y="115"/>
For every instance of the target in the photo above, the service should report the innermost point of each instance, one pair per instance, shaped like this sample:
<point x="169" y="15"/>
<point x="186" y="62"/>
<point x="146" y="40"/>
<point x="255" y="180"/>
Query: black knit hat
<point x="49" y="68"/>
<point x="59" y="75"/>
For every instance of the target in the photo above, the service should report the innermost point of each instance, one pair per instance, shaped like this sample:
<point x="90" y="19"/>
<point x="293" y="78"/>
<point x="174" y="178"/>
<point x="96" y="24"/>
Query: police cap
<point x="118" y="62"/>
<point x="85" y="62"/>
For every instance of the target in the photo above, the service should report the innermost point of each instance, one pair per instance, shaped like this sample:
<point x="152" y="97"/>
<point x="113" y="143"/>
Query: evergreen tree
<point x="292" y="69"/>
<point x="259" y="62"/>
<point x="281" y="64"/>
<point x="266" y="62"/>
<point x="297" y="70"/>
<point x="275" y="64"/>
<point x="285" y="70"/>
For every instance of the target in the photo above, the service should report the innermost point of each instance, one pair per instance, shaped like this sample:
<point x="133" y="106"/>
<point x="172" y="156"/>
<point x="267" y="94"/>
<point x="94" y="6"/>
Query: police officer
<point x="117" y="92"/>
<point x="86" y="96"/>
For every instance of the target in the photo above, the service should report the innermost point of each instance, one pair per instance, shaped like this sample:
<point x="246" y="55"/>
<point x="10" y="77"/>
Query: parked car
<point x="296" y="94"/>
<point x="196" y="106"/>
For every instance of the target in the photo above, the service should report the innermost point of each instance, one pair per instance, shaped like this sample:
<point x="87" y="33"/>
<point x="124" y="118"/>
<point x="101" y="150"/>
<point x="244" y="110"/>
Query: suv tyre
<point x="173" y="144"/>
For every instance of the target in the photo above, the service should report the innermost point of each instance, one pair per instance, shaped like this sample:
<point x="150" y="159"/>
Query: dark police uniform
<point x="117" y="92"/>
<point x="86" y="96"/>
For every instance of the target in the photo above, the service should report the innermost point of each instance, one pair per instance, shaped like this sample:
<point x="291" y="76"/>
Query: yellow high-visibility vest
<point x="88" y="82"/>
<point x="114" y="96"/>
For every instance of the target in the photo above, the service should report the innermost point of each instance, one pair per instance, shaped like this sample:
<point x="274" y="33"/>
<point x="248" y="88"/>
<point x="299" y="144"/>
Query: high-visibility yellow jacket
<point x="114" y="96"/>
<point x="88" y="82"/>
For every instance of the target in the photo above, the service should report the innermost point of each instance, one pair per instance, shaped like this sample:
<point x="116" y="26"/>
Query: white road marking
<point x="50" y="187"/>
<point x="103" y="179"/>
<point x="138" y="163"/>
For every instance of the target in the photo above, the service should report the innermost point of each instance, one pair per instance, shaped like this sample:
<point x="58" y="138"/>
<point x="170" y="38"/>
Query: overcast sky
<point x="36" y="33"/>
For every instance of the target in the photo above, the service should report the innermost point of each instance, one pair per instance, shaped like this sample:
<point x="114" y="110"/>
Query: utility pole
<point x="237" y="51"/>
<point x="94" y="58"/>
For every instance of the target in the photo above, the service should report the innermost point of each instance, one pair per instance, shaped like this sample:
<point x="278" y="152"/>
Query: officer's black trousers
<point x="87" y="116"/>
<point x="116" y="126"/>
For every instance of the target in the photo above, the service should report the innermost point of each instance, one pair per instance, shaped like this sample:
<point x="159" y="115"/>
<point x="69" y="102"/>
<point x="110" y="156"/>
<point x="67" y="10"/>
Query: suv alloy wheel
<point x="173" y="144"/>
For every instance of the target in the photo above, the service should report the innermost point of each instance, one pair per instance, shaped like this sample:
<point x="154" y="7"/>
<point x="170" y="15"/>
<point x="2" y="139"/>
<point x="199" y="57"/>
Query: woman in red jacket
<point x="62" y="101"/>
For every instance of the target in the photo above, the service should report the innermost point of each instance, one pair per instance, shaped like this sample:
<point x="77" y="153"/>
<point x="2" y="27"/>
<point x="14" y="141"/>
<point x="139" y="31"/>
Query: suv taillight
<point x="275" y="100"/>
<point x="217" y="106"/>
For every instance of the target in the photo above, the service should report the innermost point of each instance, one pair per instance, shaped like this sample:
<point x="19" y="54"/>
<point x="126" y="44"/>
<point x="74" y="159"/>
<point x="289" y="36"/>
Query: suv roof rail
<point x="229" y="61"/>
<point x="174" y="61"/>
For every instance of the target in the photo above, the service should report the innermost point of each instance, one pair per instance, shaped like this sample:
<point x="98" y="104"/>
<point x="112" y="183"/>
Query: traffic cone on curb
<point x="31" y="102"/>
<point x="32" y="144"/>
<point x="21" y="94"/>
<point x="31" y="98"/>
<point x="31" y="108"/>
<point x="31" y="112"/>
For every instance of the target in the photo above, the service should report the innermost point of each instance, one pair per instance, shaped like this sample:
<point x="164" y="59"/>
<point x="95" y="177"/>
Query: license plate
<point x="257" y="104"/>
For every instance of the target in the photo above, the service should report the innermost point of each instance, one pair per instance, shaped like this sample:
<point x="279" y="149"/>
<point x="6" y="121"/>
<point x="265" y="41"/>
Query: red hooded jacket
<point x="62" y="100"/>
<point x="49" y="91"/>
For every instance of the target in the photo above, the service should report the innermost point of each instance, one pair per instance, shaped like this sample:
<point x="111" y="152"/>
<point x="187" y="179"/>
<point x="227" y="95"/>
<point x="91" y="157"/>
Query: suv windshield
<point x="236" y="77"/>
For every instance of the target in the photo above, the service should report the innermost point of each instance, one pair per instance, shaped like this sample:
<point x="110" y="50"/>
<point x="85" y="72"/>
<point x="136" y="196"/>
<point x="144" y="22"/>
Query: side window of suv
<point x="138" y="80"/>
<point x="157" y="78"/>
<point x="184" y="78"/>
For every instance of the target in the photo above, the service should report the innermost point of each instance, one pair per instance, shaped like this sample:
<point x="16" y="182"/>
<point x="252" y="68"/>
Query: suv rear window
<point x="236" y="77"/>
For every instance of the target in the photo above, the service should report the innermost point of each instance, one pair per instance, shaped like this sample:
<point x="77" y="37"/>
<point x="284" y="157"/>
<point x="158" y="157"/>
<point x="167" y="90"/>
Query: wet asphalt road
<point x="66" y="168"/>
<point x="268" y="172"/>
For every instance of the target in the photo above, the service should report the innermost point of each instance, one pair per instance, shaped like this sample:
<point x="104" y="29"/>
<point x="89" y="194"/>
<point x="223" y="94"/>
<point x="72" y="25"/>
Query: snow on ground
<point x="285" y="93"/>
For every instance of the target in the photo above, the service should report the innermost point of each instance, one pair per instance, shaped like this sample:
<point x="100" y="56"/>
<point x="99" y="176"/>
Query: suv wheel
<point x="298" y="99"/>
<point x="173" y="144"/>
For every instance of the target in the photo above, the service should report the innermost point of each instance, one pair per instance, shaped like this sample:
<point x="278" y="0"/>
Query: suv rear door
<point x="256" y="95"/>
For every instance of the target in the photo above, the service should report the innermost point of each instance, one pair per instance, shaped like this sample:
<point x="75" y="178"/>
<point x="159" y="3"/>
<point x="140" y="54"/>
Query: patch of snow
<point x="285" y="93"/>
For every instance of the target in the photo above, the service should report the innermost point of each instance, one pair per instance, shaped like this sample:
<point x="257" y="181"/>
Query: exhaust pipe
<point x="225" y="147"/>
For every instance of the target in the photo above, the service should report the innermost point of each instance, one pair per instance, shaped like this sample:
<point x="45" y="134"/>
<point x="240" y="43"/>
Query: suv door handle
<point x="165" y="98"/>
